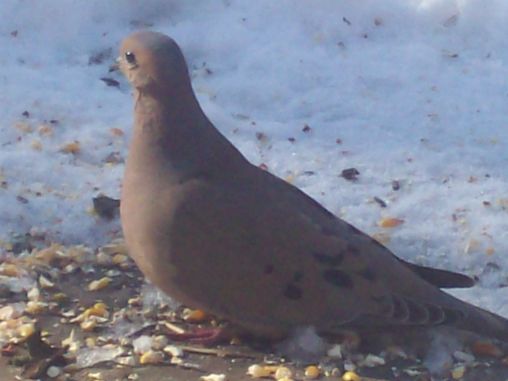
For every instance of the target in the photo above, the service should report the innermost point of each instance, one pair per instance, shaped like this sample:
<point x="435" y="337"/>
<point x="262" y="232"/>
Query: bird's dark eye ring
<point x="130" y="57"/>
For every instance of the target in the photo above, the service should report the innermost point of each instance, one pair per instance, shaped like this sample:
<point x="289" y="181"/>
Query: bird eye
<point x="130" y="57"/>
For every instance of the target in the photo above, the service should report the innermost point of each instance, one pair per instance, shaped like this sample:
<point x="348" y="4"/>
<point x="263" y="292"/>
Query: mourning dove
<point x="217" y="233"/>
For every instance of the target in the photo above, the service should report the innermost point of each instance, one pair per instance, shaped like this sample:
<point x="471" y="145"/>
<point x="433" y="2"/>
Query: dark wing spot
<point x="268" y="269"/>
<point x="352" y="250"/>
<point x="329" y="260"/>
<point x="297" y="276"/>
<point x="293" y="292"/>
<point x="338" y="278"/>
<point x="368" y="274"/>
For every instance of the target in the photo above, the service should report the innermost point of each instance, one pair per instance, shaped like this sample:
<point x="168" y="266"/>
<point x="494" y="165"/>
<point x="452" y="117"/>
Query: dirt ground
<point x="32" y="358"/>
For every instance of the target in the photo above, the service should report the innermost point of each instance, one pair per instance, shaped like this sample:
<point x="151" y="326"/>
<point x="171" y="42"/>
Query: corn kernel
<point x="33" y="294"/>
<point x="118" y="259"/>
<point x="282" y="372"/>
<point x="59" y="297"/>
<point x="98" y="309"/>
<point x="151" y="357"/>
<point x="173" y="351"/>
<point x="99" y="284"/>
<point x="458" y="372"/>
<point x="26" y="330"/>
<point x="34" y="308"/>
<point x="258" y="371"/>
<point x="312" y="372"/>
<point x="72" y="148"/>
<point x="390" y="222"/>
<point x="88" y="325"/>
<point x="351" y="376"/>
<point x="91" y="342"/>
<point x="194" y="316"/>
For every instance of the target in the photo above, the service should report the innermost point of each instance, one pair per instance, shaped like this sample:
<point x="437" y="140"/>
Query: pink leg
<point x="204" y="336"/>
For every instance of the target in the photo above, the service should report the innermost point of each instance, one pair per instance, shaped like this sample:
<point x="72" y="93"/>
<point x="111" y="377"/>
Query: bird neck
<point x="171" y="129"/>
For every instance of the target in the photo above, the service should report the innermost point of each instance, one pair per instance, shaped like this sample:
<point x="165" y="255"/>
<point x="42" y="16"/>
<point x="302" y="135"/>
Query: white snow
<point x="439" y="356"/>
<point x="303" y="345"/>
<point x="416" y="90"/>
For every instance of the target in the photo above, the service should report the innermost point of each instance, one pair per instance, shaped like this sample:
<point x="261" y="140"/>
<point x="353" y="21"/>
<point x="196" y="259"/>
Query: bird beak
<point x="115" y="66"/>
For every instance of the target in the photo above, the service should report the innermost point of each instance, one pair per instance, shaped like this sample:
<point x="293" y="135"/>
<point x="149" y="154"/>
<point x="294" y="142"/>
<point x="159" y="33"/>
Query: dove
<point x="215" y="232"/>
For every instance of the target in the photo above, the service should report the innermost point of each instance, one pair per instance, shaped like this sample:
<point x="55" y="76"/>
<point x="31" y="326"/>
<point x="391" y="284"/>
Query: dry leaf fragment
<point x="9" y="269"/>
<point x="372" y="360"/>
<point x="45" y="283"/>
<point x="350" y="174"/>
<point x="106" y="207"/>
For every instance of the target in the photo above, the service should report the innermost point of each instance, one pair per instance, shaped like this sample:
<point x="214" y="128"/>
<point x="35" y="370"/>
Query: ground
<point x="94" y="309"/>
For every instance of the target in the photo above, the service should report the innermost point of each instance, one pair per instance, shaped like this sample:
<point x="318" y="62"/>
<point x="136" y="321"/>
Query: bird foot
<point x="203" y="336"/>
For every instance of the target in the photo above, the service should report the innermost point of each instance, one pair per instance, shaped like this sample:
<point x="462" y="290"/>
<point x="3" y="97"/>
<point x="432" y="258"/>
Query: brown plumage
<point x="216" y="232"/>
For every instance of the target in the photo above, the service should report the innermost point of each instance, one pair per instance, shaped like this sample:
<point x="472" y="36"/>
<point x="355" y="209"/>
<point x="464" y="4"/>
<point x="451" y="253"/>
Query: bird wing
<point x="274" y="257"/>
